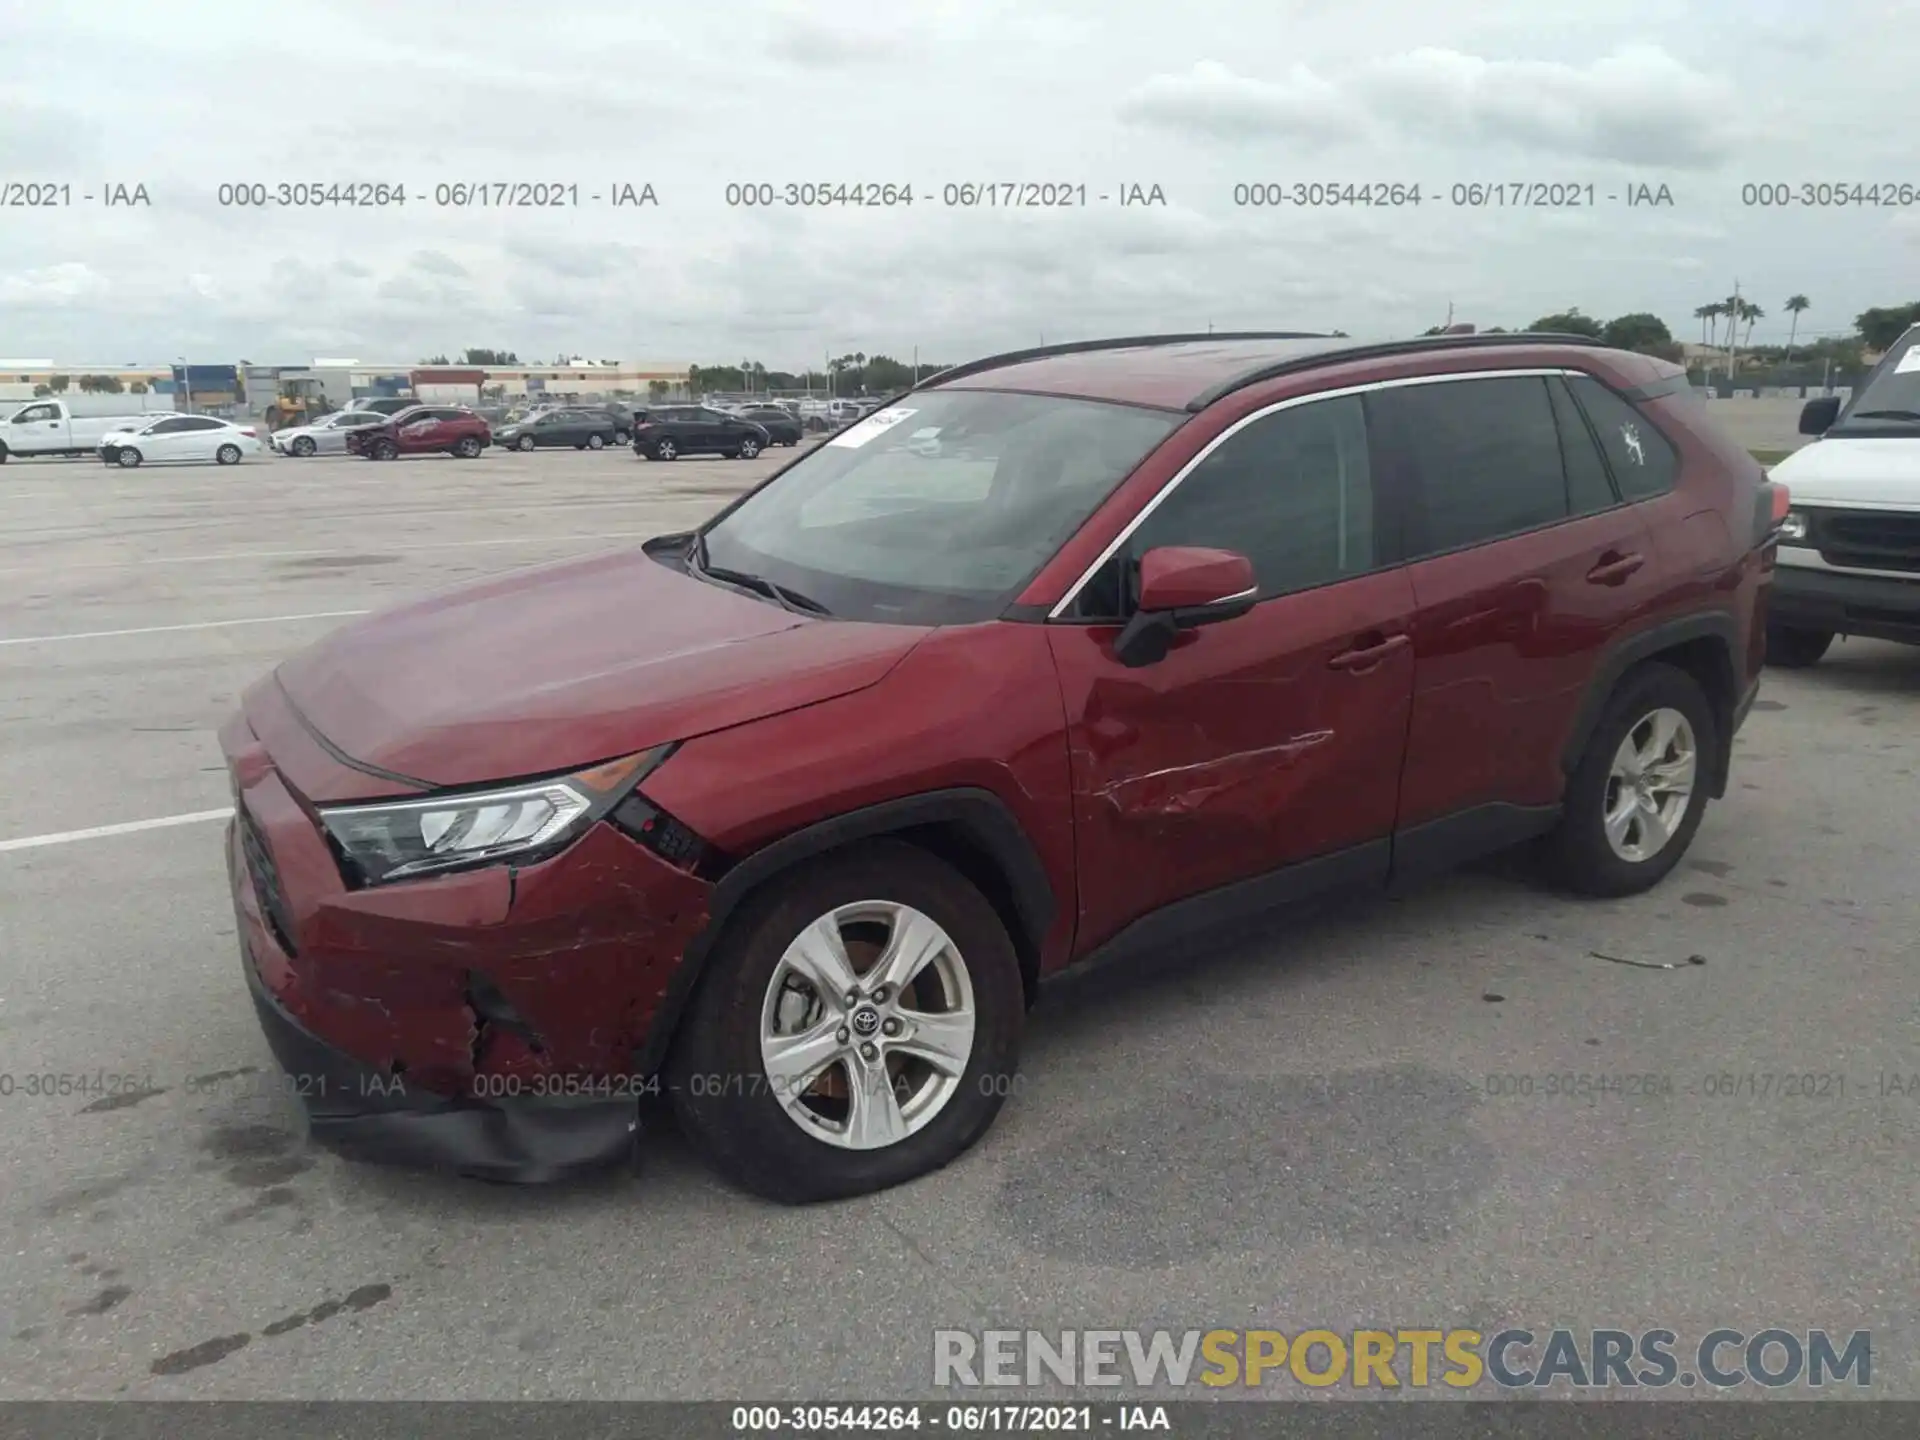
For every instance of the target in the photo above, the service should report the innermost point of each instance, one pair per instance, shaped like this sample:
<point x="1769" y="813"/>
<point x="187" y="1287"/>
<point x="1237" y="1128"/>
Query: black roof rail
<point x="1414" y="345"/>
<point x="1082" y="347"/>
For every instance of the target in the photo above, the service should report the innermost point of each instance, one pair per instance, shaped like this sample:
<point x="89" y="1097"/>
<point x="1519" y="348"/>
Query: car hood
<point x="1883" y="473"/>
<point x="562" y="666"/>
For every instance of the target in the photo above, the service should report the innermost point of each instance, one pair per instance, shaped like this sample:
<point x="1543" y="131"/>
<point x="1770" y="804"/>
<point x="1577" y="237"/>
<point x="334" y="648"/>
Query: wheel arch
<point x="969" y="828"/>
<point x="1703" y="645"/>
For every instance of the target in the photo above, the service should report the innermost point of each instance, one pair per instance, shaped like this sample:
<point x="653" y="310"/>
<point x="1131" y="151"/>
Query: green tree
<point x="435" y="360"/>
<point x="40" y="392"/>
<point x="1640" y="331"/>
<point x="86" y="384"/>
<point x="1884" y="324"/>
<point x="59" y="383"/>
<point x="1795" y="304"/>
<point x="496" y="357"/>
<point x="138" y="387"/>
<point x="657" y="390"/>
<point x="1568" y="322"/>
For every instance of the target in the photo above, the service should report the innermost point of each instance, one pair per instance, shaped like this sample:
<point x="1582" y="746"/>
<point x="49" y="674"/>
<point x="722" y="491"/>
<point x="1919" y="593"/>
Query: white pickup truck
<point x="49" y="427"/>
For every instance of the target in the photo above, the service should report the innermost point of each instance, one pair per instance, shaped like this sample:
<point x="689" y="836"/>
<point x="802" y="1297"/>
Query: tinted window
<point x="1589" y="491"/>
<point x="1488" y="455"/>
<point x="1293" y="492"/>
<point x="36" y="412"/>
<point x="199" y="423"/>
<point x="1642" y="461"/>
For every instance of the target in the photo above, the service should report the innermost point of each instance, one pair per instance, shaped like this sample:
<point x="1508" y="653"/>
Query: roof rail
<point x="1082" y="347"/>
<point x="1411" y="346"/>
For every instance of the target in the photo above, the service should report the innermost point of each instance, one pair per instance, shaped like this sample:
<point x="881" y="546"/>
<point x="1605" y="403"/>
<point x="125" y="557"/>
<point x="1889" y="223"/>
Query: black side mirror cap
<point x="1817" y="416"/>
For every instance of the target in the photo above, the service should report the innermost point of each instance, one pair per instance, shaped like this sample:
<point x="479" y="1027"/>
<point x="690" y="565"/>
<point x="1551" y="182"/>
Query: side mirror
<point x="1183" y="587"/>
<point x="1817" y="416"/>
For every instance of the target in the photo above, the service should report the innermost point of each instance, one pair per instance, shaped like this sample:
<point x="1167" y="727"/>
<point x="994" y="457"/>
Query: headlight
<point x="1793" y="528"/>
<point x="399" y="839"/>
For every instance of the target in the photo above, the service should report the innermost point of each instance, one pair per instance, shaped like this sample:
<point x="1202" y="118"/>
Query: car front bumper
<point x="484" y="1022"/>
<point x="1874" y="607"/>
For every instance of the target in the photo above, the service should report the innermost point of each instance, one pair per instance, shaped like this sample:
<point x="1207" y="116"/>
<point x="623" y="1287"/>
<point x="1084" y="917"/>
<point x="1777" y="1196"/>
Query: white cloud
<point x="57" y="285"/>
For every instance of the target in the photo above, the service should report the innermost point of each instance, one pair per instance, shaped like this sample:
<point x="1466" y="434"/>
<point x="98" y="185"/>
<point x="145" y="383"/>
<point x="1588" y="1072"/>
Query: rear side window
<point x="1642" y="460"/>
<point x="1488" y="456"/>
<point x="1589" y="490"/>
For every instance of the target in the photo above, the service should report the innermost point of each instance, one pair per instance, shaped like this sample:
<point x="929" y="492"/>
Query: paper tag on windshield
<point x="876" y="424"/>
<point x="1908" y="361"/>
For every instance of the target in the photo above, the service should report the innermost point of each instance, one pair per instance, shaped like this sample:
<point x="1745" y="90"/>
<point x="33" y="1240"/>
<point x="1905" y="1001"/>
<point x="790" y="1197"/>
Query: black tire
<point x="384" y="450"/>
<point x="466" y="448"/>
<point x="3" y="454"/>
<point x="596" y="442"/>
<point x="1792" y="648"/>
<point x="623" y="437"/>
<point x="303" y="446"/>
<point x="665" y="449"/>
<point x="742" y="1129"/>
<point x="227" y="455"/>
<point x="1577" y="853"/>
<point x="126" y="457"/>
<point x="523" y="444"/>
<point x="749" y="449"/>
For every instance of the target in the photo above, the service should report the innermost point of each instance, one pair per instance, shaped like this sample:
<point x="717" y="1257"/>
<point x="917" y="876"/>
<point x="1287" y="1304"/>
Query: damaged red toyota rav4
<point x="1065" y="651"/>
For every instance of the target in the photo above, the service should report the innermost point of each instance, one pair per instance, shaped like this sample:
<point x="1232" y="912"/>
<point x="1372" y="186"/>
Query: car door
<point x="716" y="431"/>
<point x="1525" y="564"/>
<point x="35" y="428"/>
<point x="197" y="438"/>
<point x="162" y="440"/>
<point x="1264" y="749"/>
<point x="419" y="431"/>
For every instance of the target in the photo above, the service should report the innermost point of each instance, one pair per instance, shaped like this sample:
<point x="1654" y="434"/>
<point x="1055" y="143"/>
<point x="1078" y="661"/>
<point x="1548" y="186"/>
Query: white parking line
<point x="335" y="550"/>
<point x="197" y="625"/>
<point x="65" y="837"/>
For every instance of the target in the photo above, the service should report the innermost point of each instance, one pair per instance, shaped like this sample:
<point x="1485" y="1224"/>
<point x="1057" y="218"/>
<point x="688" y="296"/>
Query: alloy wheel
<point x="868" y="1025"/>
<point x="1650" y="784"/>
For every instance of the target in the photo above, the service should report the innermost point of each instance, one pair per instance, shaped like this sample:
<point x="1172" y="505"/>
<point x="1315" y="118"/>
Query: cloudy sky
<point x="1196" y="98"/>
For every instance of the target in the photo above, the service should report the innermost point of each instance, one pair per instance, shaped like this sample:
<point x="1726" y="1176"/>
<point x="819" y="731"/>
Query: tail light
<point x="249" y="431"/>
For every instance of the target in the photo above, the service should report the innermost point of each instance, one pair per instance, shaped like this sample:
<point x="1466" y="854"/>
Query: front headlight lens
<point x="406" y="838"/>
<point x="1794" y="527"/>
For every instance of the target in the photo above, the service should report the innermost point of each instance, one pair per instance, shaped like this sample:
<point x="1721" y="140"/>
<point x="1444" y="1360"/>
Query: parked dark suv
<point x="670" y="431"/>
<point x="1063" y="653"/>
<point x="422" y="430"/>
<point x="781" y="424"/>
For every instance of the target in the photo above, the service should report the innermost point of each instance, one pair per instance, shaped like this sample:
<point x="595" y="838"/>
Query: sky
<point x="1197" y="99"/>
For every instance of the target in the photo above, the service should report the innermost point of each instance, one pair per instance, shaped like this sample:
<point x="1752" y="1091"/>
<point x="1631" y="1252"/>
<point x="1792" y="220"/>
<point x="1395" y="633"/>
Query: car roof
<point x="1190" y="372"/>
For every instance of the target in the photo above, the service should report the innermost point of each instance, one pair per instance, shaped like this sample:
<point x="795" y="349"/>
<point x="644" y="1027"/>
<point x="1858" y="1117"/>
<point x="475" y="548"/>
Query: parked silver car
<point x="325" y="436"/>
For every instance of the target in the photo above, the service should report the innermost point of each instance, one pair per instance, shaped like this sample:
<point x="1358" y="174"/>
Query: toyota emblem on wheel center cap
<point x="866" y="1020"/>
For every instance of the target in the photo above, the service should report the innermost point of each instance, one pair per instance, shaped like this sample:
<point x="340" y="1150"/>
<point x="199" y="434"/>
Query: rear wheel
<point x="622" y="437"/>
<point x="859" y="1025"/>
<point x="1637" y="796"/>
<point x="466" y="447"/>
<point x="1793" y="648"/>
<point x="596" y="442"/>
<point x="227" y="455"/>
<point x="749" y="448"/>
<point x="126" y="457"/>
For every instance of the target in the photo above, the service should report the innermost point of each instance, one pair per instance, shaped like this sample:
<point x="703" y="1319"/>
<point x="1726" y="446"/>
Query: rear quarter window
<point x="1643" y="461"/>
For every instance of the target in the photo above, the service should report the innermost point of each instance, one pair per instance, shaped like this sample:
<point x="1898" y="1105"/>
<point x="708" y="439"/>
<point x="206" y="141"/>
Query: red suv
<point x="1063" y="652"/>
<point x="424" y="429"/>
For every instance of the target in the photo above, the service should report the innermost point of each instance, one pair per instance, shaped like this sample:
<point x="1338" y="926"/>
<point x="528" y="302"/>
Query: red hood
<point x="569" y="664"/>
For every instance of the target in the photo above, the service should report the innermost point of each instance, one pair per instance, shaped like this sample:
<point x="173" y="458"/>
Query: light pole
<point x="186" y="386"/>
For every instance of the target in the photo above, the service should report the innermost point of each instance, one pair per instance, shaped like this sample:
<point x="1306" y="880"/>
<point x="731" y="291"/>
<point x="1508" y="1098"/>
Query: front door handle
<point x="1614" y="568"/>
<point x="1365" y="657"/>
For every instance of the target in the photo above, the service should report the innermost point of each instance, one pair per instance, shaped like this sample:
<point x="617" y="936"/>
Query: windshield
<point x="939" y="510"/>
<point x="1890" y="398"/>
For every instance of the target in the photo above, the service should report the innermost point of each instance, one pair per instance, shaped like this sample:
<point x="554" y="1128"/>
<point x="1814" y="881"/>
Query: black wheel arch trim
<point x="983" y="816"/>
<point x="1643" y="645"/>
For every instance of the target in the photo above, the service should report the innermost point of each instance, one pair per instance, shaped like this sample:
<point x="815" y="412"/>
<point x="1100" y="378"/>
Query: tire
<point x="523" y="444"/>
<point x="665" y="449"/>
<point x="3" y="454"/>
<point x="623" y="437"/>
<point x="384" y="450"/>
<point x="465" y="448"/>
<point x="744" y="1129"/>
<point x="126" y="457"/>
<point x="596" y="442"/>
<point x="1792" y="648"/>
<point x="303" y="446"/>
<point x="749" y="449"/>
<point x="1579" y="853"/>
<point x="227" y="455"/>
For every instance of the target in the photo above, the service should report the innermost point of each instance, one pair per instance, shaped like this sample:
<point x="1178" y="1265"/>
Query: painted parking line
<point x="164" y="629"/>
<point x="101" y="832"/>
<point x="593" y="539"/>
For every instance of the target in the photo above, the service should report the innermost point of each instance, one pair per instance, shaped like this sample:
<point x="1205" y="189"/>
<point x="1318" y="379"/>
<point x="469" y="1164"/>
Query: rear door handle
<point x="1614" y="568"/>
<point x="1365" y="657"/>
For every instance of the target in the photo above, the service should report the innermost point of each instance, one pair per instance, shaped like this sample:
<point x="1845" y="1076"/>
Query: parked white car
<point x="325" y="436"/>
<point x="179" y="439"/>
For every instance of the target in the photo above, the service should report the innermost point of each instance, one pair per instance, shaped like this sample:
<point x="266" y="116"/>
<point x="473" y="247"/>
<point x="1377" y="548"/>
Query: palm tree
<point x="1750" y="312"/>
<point x="1795" y="304"/>
<point x="1706" y="314"/>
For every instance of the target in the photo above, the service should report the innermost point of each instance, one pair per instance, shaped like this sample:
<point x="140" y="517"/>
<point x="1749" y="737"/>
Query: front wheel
<point x="596" y="442"/>
<point x="126" y="457"/>
<point x="303" y="446"/>
<point x="524" y="443"/>
<point x="1792" y="648"/>
<point x="665" y="449"/>
<point x="1638" y="794"/>
<point x="859" y="1025"/>
<point x="384" y="450"/>
<point x="749" y="449"/>
<point x="622" y="437"/>
<point x="227" y="455"/>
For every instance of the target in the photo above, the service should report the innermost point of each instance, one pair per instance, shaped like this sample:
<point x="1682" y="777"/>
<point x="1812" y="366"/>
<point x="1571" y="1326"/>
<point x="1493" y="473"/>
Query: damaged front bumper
<point x="485" y="1022"/>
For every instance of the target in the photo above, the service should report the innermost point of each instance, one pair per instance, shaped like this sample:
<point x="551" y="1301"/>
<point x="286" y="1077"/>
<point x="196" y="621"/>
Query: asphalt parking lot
<point x="1340" y="1122"/>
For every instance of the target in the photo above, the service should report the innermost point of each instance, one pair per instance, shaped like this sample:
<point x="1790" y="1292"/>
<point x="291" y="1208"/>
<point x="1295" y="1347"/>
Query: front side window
<point x="36" y="412"/>
<point x="940" y="510"/>
<point x="1488" y="456"/>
